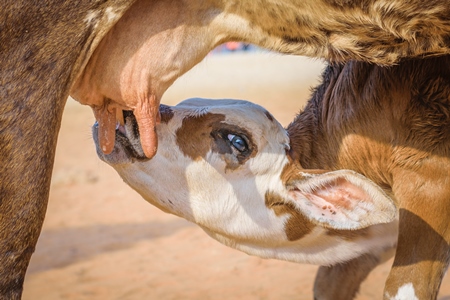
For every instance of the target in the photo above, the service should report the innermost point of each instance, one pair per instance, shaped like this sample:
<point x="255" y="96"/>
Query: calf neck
<point x="393" y="126"/>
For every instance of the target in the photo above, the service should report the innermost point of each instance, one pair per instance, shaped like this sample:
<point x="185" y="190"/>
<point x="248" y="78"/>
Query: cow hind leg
<point x="342" y="281"/>
<point x="422" y="255"/>
<point x="421" y="259"/>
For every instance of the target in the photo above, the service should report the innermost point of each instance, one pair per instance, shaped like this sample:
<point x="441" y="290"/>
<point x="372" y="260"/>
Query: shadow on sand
<point x="69" y="245"/>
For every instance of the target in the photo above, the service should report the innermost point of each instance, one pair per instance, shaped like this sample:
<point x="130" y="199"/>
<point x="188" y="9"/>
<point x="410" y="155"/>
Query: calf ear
<point x="341" y="200"/>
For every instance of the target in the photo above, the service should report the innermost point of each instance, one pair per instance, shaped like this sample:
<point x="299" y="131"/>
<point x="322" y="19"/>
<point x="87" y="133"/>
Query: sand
<point x="101" y="240"/>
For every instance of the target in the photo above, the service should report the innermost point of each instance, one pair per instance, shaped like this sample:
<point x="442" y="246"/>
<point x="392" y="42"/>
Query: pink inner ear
<point x="342" y="194"/>
<point x="335" y="203"/>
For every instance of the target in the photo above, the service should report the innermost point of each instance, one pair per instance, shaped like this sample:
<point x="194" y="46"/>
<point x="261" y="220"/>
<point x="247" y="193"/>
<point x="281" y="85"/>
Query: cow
<point x="361" y="171"/>
<point x="47" y="48"/>
<point x="138" y="60"/>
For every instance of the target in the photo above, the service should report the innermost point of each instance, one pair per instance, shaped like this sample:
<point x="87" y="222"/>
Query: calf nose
<point x="166" y="113"/>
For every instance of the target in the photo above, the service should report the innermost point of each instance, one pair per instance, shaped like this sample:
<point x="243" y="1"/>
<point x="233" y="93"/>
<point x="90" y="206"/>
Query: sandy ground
<point x="103" y="241"/>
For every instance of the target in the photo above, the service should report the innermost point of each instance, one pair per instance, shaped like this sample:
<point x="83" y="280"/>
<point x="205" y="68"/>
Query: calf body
<point x="392" y="125"/>
<point x="255" y="188"/>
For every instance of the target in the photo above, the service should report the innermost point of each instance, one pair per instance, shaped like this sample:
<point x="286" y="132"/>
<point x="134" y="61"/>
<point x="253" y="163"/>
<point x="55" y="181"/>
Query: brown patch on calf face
<point x="269" y="116"/>
<point x="166" y="113"/>
<point x="349" y="235"/>
<point x="199" y="134"/>
<point x="193" y="137"/>
<point x="297" y="226"/>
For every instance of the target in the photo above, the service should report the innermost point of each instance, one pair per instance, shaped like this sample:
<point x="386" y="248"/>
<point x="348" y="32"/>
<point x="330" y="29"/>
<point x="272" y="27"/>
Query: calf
<point x="296" y="194"/>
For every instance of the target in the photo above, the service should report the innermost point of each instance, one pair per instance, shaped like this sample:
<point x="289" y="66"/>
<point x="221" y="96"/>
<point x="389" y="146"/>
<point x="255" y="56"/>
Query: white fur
<point x="91" y="16"/>
<point x="111" y="15"/>
<point x="405" y="292"/>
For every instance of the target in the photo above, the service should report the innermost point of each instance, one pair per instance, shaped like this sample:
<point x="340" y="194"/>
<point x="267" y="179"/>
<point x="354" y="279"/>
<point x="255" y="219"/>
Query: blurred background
<point x="101" y="240"/>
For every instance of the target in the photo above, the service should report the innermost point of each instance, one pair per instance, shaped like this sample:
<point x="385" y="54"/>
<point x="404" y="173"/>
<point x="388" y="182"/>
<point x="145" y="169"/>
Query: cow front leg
<point x="28" y="137"/>
<point x="342" y="281"/>
<point x="26" y="164"/>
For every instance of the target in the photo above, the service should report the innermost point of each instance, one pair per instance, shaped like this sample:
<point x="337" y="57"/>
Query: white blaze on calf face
<point x="223" y="164"/>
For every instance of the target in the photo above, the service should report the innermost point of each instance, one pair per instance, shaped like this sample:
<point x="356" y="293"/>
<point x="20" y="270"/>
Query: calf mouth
<point x="127" y="147"/>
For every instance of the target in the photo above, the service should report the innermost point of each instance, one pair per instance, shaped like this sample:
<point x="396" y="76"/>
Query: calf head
<point x="225" y="165"/>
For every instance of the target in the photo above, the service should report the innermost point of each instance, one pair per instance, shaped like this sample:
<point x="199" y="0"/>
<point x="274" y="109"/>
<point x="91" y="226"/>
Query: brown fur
<point x="42" y="48"/>
<point x="297" y="226"/>
<point x="194" y="131"/>
<point x="166" y="113"/>
<point x="350" y="235"/>
<point x="353" y="273"/>
<point x="393" y="126"/>
<point x="377" y="31"/>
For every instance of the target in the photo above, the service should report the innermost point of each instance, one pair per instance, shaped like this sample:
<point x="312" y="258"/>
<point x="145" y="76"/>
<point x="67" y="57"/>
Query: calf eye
<point x="237" y="142"/>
